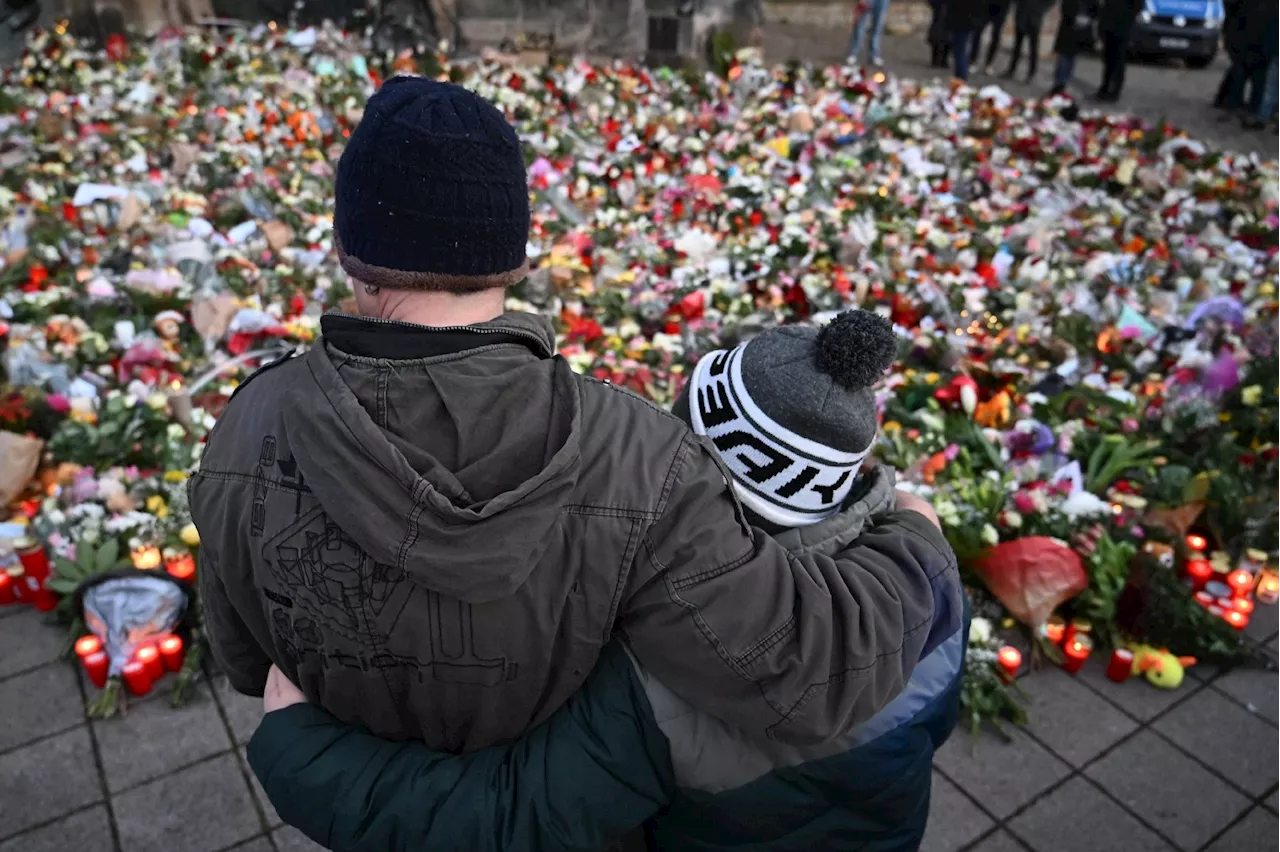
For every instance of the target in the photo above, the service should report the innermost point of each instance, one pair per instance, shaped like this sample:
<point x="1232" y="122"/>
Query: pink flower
<point x="58" y="403"/>
<point x="1129" y="425"/>
<point x="1024" y="503"/>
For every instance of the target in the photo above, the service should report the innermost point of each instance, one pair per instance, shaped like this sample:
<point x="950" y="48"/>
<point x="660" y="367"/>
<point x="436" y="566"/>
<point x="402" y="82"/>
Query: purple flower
<point x="1222" y="375"/>
<point x="1225" y="308"/>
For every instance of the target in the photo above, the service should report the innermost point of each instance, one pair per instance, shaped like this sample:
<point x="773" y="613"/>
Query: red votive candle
<point x="1238" y="620"/>
<point x="1077" y="651"/>
<point x="171" y="651"/>
<point x="182" y="567"/>
<point x="7" y="594"/>
<point x="96" y="666"/>
<point x="87" y="645"/>
<point x="1197" y="543"/>
<point x="136" y="677"/>
<point x="1244" y="605"/>
<point x="1121" y="665"/>
<point x="1199" y="570"/>
<point x="18" y="582"/>
<point x="1240" y="581"/>
<point x="1204" y="599"/>
<point x="1010" y="660"/>
<point x="150" y="657"/>
<point x="35" y="562"/>
<point x="1055" y="628"/>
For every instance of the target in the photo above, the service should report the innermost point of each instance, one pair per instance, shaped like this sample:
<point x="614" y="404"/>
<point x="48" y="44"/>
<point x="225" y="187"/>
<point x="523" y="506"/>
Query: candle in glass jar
<point x="1197" y="543"/>
<point x="182" y="566"/>
<point x="171" y="652"/>
<point x="1240" y="581"/>
<point x="35" y="562"/>
<point x="1199" y="571"/>
<point x="1243" y="605"/>
<point x="1077" y="650"/>
<point x="1236" y="619"/>
<point x="149" y="656"/>
<point x="146" y="558"/>
<point x="1055" y="628"/>
<point x="1268" y="589"/>
<point x="1077" y="627"/>
<point x="136" y="677"/>
<point x="1010" y="660"/>
<point x="87" y="645"/>
<point x="7" y="593"/>
<point x="1121" y="665"/>
<point x="96" y="666"/>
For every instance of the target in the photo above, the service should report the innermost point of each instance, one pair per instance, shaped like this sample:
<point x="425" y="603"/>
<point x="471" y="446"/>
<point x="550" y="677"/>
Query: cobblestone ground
<point x="1102" y="767"/>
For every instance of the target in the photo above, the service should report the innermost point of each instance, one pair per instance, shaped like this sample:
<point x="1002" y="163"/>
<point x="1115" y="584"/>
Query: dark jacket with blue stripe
<point x="625" y="750"/>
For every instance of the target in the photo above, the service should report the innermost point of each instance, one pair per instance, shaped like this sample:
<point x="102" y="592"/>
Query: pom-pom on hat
<point x="793" y="413"/>
<point x="431" y="192"/>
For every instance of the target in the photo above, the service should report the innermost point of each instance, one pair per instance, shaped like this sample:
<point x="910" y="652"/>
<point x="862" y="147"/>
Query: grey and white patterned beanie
<point x="793" y="413"/>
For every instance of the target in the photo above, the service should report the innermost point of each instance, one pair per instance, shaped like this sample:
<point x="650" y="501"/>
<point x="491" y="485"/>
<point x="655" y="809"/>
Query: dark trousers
<point x="960" y="50"/>
<point x="997" y="13"/>
<point x="1231" y="89"/>
<point x="1114" y="50"/>
<point x="1032" y="39"/>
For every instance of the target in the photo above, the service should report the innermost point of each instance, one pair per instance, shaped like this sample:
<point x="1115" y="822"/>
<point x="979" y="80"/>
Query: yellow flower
<point x="1251" y="395"/>
<point x="1224" y="417"/>
<point x="157" y="506"/>
<point x="892" y="426"/>
<point x="932" y="378"/>
<point x="190" y="535"/>
<point x="175" y="476"/>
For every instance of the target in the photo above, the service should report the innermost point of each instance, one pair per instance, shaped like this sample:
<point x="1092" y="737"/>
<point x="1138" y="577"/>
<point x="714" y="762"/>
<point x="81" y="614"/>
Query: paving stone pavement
<point x="1102" y="766"/>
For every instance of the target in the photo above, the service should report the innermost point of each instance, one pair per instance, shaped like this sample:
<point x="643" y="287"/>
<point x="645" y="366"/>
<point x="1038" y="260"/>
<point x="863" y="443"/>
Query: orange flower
<point x="934" y="466"/>
<point x="995" y="412"/>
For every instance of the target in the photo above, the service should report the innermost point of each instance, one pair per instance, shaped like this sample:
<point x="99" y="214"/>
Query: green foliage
<point x="984" y="697"/>
<point x="721" y="50"/>
<point x="1108" y="569"/>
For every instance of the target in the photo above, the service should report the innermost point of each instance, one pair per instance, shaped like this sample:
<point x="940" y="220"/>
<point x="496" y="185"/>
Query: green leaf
<point x="86" y="557"/>
<point x="108" y="555"/>
<point x="62" y="585"/>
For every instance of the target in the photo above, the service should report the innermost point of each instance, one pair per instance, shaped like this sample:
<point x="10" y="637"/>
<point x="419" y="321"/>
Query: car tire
<point x="1198" y="62"/>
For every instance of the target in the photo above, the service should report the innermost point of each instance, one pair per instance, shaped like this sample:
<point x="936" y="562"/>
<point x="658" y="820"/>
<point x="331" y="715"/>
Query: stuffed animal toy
<point x="1161" y="668"/>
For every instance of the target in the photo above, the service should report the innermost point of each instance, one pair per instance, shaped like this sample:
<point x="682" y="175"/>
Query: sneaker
<point x="877" y="62"/>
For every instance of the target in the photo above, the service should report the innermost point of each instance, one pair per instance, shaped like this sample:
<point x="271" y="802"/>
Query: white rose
<point x="990" y="535"/>
<point x="979" y="631"/>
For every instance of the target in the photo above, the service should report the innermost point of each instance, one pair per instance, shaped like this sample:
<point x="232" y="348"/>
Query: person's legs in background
<point x="1016" y="56"/>
<point x="999" y="16"/>
<point x="1262" y="100"/>
<point x="856" y="37"/>
<point x="1112" y="67"/>
<point x="879" y="14"/>
<point x="960" y="48"/>
<point x="1063" y="70"/>
<point x="1033" y="51"/>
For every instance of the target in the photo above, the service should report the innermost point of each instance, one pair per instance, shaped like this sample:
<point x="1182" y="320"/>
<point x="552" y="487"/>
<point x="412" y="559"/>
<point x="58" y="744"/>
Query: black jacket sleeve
<point x="596" y="769"/>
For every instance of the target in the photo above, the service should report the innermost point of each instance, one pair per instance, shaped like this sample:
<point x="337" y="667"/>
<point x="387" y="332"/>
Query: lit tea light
<point x="1243" y="605"/>
<point x="1240" y="582"/>
<point x="146" y="557"/>
<point x="1055" y="628"/>
<point x="181" y="566"/>
<point x="149" y="656"/>
<point x="1077" y="650"/>
<point x="1010" y="660"/>
<point x="1200" y="571"/>
<point x="171" y="651"/>
<point x="87" y="645"/>
<point x="1268" y="588"/>
<point x="1236" y="619"/>
<point x="1197" y="543"/>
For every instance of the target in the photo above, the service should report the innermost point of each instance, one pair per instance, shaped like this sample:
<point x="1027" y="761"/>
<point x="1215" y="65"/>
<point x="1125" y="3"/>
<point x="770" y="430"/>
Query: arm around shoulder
<point x="798" y="647"/>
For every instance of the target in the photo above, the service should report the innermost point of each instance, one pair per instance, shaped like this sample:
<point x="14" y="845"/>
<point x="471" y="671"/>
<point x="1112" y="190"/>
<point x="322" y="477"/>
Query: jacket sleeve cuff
<point x="278" y="734"/>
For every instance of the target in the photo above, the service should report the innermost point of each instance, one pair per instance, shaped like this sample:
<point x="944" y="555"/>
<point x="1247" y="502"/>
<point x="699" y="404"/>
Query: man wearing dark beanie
<point x="432" y="525"/>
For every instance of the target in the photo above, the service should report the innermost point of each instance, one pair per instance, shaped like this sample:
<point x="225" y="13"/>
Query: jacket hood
<point x="452" y="469"/>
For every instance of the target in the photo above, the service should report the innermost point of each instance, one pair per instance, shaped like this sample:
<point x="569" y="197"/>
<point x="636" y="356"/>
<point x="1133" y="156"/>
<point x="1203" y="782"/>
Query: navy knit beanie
<point x="431" y="192"/>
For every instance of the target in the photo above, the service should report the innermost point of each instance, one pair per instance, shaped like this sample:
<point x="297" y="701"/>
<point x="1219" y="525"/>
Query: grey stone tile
<point x="1257" y="689"/>
<point x="1001" y="776"/>
<point x="203" y="808"/>
<point x="1271" y="802"/>
<point x="45" y="701"/>
<point x="153" y="738"/>
<point x="85" y="831"/>
<point x="268" y="810"/>
<point x="243" y="712"/>
<point x="28" y="642"/>
<point x="289" y="839"/>
<point x="42" y="781"/>
<point x="954" y="820"/>
<point x="1078" y="817"/>
<point x="1000" y="841"/>
<point x="1135" y="696"/>
<point x="1263" y="624"/>
<point x="1257" y="831"/>
<point x="1059" y="703"/>
<point x="257" y="844"/>
<point x="1167" y="788"/>
<point x="1225" y="736"/>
